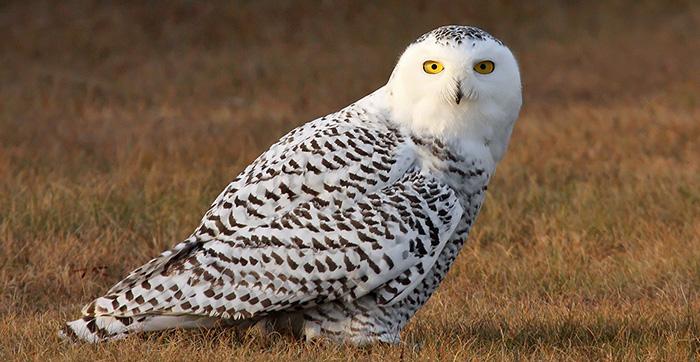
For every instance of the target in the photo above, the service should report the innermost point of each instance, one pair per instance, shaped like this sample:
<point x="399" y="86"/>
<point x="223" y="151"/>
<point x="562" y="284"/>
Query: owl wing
<point x="330" y="163"/>
<point x="305" y="257"/>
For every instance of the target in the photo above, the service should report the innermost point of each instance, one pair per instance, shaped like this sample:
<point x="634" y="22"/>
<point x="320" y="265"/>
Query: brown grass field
<point x="121" y="121"/>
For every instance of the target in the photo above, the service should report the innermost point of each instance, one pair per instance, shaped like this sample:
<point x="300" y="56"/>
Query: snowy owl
<point x="345" y="226"/>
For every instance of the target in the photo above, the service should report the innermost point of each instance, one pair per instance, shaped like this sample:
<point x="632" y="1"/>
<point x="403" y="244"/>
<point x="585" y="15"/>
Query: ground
<point x="121" y="121"/>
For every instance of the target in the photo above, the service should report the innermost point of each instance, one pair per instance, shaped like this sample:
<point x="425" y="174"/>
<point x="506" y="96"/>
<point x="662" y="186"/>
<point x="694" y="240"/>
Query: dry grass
<point x="121" y="121"/>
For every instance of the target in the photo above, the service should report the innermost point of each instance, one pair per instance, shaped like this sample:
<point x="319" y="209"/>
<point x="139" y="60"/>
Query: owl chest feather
<point x="466" y="167"/>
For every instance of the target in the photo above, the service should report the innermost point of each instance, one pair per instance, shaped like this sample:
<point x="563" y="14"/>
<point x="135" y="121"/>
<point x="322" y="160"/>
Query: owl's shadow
<point x="256" y="340"/>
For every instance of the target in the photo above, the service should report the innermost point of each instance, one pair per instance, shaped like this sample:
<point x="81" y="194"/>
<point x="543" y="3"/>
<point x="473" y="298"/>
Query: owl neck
<point x="471" y="122"/>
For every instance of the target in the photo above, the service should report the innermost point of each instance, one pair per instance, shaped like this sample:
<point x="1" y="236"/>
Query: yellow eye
<point x="432" y="67"/>
<point x="484" y="67"/>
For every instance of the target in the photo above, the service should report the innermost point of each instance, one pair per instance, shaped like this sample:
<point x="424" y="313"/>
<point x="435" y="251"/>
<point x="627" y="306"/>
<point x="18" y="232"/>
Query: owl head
<point x="456" y="81"/>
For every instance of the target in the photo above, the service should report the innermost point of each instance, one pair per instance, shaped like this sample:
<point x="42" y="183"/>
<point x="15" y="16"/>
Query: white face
<point x="449" y="84"/>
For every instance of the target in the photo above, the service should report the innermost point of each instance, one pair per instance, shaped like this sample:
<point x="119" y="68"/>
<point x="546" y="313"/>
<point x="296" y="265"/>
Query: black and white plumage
<point x="346" y="226"/>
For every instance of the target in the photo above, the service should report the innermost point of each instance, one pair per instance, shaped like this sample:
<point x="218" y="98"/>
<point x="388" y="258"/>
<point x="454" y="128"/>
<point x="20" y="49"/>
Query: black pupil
<point x="482" y="66"/>
<point x="434" y="66"/>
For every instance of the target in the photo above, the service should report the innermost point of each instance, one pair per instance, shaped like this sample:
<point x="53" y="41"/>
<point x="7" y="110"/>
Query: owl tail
<point x="104" y="328"/>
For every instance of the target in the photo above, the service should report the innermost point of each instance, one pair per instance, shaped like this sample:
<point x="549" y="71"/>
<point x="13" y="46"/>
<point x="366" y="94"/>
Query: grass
<point x="120" y="122"/>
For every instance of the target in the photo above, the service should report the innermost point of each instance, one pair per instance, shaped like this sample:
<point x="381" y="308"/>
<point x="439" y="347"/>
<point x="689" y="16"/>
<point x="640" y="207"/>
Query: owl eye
<point x="432" y="67"/>
<point x="484" y="67"/>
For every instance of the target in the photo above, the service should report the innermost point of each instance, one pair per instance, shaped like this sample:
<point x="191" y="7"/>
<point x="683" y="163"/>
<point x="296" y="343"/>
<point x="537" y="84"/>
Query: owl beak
<point x="460" y="94"/>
